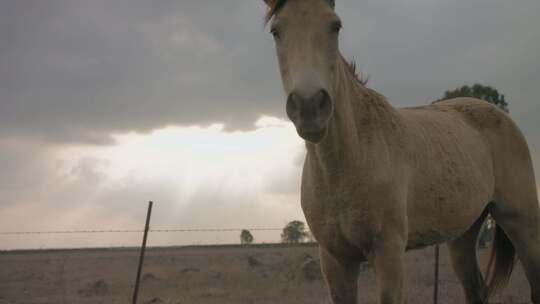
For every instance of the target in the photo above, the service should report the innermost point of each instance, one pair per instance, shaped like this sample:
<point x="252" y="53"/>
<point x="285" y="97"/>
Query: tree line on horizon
<point x="295" y="232"/>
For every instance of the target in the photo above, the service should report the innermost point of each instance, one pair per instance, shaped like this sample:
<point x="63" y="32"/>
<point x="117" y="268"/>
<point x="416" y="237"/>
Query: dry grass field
<point x="227" y="275"/>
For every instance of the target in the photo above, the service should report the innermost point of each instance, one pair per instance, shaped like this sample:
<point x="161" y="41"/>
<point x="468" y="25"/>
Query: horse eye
<point x="275" y="32"/>
<point x="336" y="27"/>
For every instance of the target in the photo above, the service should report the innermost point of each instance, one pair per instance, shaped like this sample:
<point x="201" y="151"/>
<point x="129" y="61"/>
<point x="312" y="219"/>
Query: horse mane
<point x="353" y="69"/>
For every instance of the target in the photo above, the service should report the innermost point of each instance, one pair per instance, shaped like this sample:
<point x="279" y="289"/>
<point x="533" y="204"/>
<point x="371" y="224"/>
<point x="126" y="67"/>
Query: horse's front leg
<point x="341" y="276"/>
<point x="388" y="261"/>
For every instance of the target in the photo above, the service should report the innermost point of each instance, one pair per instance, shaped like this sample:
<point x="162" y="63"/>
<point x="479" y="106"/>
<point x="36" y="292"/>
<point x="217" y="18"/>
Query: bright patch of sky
<point x="193" y="155"/>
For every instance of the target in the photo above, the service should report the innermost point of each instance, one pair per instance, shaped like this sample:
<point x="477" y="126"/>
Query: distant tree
<point x="479" y="91"/>
<point x="246" y="237"/>
<point x="294" y="232"/>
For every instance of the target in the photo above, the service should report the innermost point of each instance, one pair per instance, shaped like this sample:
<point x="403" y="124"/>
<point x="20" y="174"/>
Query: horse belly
<point x="450" y="185"/>
<point x="446" y="206"/>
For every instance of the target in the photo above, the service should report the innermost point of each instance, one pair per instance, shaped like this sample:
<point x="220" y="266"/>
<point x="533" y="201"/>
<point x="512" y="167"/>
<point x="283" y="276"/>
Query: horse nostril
<point x="320" y="99"/>
<point x="292" y="106"/>
<point x="293" y="100"/>
<point x="322" y="103"/>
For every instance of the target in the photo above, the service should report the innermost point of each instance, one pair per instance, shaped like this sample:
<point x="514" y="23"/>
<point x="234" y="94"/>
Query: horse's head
<point x="306" y="37"/>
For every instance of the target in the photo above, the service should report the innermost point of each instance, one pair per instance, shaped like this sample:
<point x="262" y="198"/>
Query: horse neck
<point x="362" y="119"/>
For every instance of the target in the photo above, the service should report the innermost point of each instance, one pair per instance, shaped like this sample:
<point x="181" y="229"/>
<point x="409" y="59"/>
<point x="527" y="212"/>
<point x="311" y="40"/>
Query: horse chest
<point x="337" y="220"/>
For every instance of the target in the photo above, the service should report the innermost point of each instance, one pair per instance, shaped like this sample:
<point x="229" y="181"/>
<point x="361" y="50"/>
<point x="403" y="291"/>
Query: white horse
<point x="379" y="180"/>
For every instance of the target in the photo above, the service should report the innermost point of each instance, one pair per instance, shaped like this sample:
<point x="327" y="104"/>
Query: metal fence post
<point x="141" y="257"/>
<point x="436" y="285"/>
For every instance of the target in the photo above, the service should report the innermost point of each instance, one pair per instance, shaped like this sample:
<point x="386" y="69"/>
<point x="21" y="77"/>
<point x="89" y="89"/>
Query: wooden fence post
<point x="141" y="257"/>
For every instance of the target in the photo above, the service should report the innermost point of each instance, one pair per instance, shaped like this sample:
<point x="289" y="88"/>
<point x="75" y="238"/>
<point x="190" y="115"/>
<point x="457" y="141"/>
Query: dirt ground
<point x="228" y="275"/>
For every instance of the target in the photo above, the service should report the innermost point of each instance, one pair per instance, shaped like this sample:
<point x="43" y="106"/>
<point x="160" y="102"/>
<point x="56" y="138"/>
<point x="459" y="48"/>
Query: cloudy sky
<point x="107" y="104"/>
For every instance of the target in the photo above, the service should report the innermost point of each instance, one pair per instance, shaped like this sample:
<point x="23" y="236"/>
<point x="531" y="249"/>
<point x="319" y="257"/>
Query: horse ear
<point x="269" y="2"/>
<point x="332" y="3"/>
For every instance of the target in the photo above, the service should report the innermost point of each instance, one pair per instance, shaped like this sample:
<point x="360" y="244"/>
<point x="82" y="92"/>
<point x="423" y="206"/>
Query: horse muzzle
<point x="310" y="115"/>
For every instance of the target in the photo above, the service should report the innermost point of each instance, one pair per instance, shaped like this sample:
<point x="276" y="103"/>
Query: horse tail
<point x="501" y="262"/>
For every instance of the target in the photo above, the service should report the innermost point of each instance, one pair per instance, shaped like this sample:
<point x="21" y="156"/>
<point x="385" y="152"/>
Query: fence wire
<point x="138" y="231"/>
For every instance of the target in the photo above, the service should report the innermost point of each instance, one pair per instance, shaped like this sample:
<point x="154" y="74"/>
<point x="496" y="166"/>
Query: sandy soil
<point x="210" y="275"/>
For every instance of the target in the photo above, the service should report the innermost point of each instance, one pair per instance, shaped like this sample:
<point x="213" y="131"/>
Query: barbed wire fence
<point x="138" y="231"/>
<point x="186" y="230"/>
<point x="201" y="237"/>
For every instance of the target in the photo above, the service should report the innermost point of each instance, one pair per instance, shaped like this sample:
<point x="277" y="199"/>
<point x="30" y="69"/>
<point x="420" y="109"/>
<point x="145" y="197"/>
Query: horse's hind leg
<point x="519" y="217"/>
<point x="463" y="257"/>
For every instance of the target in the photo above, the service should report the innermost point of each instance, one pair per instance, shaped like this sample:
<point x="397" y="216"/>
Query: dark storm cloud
<point x="76" y="71"/>
<point x="79" y="70"/>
